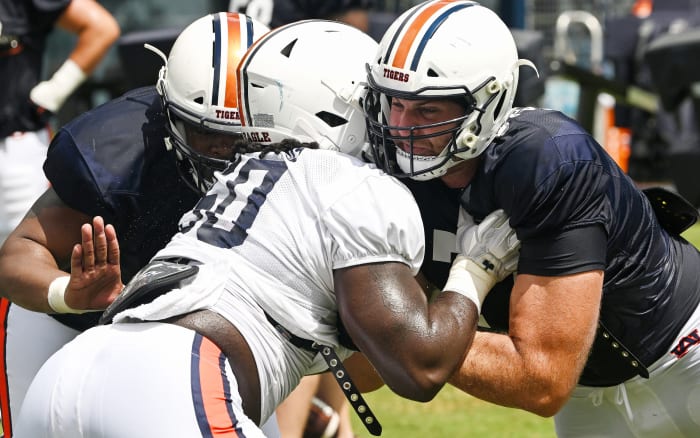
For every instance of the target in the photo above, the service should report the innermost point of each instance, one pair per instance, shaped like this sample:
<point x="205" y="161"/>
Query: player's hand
<point x="95" y="279"/>
<point x="488" y="253"/>
<point x="492" y="244"/>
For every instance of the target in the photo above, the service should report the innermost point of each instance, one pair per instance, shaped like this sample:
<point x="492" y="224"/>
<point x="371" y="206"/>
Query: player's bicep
<point x="376" y="302"/>
<point x="53" y="225"/>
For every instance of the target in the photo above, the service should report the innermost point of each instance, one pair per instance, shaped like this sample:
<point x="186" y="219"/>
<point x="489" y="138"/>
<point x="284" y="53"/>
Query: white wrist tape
<point x="56" y="297"/>
<point x="469" y="279"/>
<point x="53" y="93"/>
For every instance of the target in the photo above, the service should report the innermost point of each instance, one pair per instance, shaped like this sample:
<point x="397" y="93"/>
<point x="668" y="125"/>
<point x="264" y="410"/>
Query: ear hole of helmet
<point x="499" y="106"/>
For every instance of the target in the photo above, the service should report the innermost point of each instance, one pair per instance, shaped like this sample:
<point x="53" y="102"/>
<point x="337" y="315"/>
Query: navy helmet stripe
<point x="249" y="31"/>
<point x="216" y="60"/>
<point x="431" y="30"/>
<point x="396" y="35"/>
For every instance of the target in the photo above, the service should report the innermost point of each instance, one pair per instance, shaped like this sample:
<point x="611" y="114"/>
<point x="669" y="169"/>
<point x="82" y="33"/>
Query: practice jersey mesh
<point x="270" y="233"/>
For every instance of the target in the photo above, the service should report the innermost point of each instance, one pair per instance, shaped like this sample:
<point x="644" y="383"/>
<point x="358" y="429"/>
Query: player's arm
<point x="96" y="30"/>
<point x="39" y="251"/>
<point x="363" y="374"/>
<point x="414" y="344"/>
<point x="536" y="365"/>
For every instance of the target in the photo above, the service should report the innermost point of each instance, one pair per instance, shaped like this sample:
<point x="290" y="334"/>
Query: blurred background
<point x="625" y="69"/>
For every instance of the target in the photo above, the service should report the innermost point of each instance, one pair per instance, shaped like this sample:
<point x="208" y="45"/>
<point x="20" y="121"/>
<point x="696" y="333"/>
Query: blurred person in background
<point x="26" y="102"/>
<point x="140" y="161"/>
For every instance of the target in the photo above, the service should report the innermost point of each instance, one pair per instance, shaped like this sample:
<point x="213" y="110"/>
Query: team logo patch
<point x="258" y="137"/>
<point x="686" y="343"/>
<point x="228" y="114"/>
<point x="395" y="75"/>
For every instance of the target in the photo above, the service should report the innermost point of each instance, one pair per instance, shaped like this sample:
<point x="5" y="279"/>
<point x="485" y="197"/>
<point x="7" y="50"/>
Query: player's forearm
<point x="500" y="370"/>
<point x="26" y="271"/>
<point x="430" y="348"/>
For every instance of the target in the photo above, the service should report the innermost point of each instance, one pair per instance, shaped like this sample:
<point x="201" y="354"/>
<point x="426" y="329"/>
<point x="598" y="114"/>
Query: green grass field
<point x="456" y="414"/>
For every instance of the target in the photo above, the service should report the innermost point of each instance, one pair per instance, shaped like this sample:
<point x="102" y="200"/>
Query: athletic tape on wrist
<point x="52" y="94"/>
<point x="469" y="279"/>
<point x="56" y="296"/>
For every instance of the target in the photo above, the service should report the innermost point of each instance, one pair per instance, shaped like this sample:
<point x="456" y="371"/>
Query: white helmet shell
<point x="287" y="93"/>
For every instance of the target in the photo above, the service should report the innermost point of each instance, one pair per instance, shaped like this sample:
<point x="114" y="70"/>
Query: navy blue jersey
<point x="574" y="210"/>
<point x="111" y="161"/>
<point x="25" y="27"/>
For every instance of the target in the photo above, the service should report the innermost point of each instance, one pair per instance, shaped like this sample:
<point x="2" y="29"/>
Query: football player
<point x="300" y="415"/>
<point x="599" y="327"/>
<point x="287" y="243"/>
<point x="140" y="161"/>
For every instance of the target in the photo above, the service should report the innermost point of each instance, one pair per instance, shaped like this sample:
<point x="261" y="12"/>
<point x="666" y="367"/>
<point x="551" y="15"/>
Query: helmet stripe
<point x="414" y="28"/>
<point x="431" y="30"/>
<point x="395" y="37"/>
<point x="216" y="62"/>
<point x="236" y="49"/>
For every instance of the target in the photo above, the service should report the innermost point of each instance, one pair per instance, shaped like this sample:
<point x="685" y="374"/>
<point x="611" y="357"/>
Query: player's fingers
<point x="88" y="252"/>
<point x="112" y="245"/>
<point x="100" y="239"/>
<point x="76" y="260"/>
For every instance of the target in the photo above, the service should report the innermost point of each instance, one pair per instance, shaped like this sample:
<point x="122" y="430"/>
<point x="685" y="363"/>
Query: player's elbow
<point x="420" y="385"/>
<point x="110" y="30"/>
<point x="547" y="402"/>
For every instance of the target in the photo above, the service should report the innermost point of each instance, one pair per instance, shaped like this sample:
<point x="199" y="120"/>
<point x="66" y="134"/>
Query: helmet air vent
<point x="330" y="119"/>
<point x="287" y="51"/>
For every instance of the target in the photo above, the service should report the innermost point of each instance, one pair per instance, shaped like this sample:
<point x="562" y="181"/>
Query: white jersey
<point x="269" y="235"/>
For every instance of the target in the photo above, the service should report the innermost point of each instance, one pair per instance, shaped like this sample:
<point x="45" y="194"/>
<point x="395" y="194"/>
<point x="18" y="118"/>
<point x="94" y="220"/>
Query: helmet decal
<point x="436" y="14"/>
<point x="233" y="34"/>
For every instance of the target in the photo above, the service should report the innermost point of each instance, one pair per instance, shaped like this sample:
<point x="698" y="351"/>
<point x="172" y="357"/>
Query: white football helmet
<point x="198" y="86"/>
<point x="306" y="80"/>
<point x="442" y="49"/>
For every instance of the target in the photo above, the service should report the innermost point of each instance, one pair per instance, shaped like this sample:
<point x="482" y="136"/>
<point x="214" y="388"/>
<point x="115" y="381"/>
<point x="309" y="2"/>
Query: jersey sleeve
<point x="95" y="163"/>
<point x="377" y="221"/>
<point x="556" y="196"/>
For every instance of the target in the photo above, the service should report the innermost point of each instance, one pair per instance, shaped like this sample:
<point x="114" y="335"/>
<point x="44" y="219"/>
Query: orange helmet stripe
<point x="412" y="32"/>
<point x="235" y="51"/>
